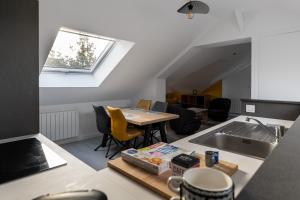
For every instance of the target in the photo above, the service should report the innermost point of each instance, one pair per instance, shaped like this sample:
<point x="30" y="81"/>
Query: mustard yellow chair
<point x="144" y="104"/>
<point x="120" y="132"/>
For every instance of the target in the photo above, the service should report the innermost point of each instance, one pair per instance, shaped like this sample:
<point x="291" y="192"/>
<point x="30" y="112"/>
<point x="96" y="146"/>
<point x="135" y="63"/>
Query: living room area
<point x="204" y="91"/>
<point x="208" y="85"/>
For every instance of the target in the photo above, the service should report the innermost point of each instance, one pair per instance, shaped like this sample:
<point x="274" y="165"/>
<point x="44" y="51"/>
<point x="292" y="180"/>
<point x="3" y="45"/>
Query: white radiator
<point x="59" y="125"/>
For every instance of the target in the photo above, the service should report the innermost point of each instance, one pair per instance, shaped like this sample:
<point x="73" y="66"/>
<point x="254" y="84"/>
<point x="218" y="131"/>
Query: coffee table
<point x="201" y="113"/>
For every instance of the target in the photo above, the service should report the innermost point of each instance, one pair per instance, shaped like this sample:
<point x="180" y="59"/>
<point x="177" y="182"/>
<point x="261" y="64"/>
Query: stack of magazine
<point x="155" y="158"/>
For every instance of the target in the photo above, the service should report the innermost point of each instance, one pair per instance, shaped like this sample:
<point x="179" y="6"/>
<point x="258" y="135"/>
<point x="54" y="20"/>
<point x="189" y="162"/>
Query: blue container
<point x="216" y="157"/>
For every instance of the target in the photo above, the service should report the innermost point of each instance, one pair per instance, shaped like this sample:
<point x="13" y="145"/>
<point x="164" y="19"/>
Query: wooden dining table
<point x="146" y="119"/>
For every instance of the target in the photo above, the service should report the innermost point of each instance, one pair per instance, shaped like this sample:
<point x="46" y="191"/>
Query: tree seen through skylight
<point x="72" y="50"/>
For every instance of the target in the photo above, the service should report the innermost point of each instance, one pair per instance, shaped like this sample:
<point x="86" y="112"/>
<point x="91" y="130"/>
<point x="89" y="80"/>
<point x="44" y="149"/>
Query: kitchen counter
<point x="247" y="165"/>
<point x="77" y="175"/>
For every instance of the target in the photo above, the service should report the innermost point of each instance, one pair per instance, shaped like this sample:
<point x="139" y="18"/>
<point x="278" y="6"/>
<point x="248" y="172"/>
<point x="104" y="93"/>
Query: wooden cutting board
<point x="157" y="183"/>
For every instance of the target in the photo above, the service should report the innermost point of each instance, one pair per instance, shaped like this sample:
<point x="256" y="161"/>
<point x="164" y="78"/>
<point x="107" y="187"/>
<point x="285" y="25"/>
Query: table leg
<point x="147" y="135"/>
<point x="162" y="131"/>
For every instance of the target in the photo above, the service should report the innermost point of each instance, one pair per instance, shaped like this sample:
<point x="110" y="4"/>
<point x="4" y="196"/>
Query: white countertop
<point x="77" y="175"/>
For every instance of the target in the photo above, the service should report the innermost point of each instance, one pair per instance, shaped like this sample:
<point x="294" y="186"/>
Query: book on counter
<point x="155" y="158"/>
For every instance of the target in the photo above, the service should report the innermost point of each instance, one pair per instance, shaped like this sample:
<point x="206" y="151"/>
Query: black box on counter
<point x="182" y="162"/>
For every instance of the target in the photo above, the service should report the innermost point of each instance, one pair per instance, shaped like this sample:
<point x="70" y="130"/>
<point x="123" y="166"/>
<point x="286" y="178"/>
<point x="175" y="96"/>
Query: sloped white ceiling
<point x="208" y="65"/>
<point x="159" y="33"/>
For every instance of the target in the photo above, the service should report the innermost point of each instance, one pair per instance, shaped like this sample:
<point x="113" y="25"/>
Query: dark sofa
<point x="218" y="109"/>
<point x="187" y="123"/>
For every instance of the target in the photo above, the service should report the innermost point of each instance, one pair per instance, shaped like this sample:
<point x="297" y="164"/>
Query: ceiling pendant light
<point x="193" y="7"/>
<point x="190" y="13"/>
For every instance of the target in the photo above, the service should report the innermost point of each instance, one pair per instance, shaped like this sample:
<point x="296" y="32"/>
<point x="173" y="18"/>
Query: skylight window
<point x="75" y="51"/>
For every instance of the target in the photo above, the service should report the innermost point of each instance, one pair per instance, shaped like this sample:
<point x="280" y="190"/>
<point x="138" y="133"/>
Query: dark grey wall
<point x="19" y="99"/>
<point x="272" y="109"/>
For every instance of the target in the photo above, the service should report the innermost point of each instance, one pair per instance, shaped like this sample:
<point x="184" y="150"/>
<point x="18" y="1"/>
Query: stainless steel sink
<point x="239" y="137"/>
<point x="244" y="146"/>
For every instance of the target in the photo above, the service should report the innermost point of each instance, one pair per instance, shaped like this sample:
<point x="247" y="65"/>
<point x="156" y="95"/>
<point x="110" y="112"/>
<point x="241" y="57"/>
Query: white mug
<point x="201" y="184"/>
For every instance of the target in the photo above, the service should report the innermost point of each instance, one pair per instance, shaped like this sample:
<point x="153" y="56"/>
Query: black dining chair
<point x="103" y="125"/>
<point x="158" y="106"/>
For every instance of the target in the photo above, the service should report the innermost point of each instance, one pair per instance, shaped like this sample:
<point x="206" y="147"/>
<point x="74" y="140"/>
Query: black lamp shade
<point x="195" y="6"/>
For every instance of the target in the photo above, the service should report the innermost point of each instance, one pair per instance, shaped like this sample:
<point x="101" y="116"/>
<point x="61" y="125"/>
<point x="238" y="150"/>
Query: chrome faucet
<point x="277" y="134"/>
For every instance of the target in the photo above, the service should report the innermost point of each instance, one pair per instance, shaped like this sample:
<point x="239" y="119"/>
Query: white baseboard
<point x="79" y="138"/>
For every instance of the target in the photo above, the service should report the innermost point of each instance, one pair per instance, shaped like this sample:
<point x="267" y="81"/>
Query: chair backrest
<point x="102" y="119"/>
<point x="186" y="121"/>
<point x="178" y="123"/>
<point x="220" y="104"/>
<point x="118" y="124"/>
<point x="144" y="104"/>
<point x="160" y="106"/>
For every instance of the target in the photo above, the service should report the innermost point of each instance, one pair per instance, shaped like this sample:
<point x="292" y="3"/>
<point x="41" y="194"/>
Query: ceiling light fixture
<point x="190" y="13"/>
<point x="193" y="7"/>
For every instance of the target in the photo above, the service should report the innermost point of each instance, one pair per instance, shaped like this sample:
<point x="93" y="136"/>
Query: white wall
<point x="275" y="63"/>
<point x="278" y="66"/>
<point x="237" y="86"/>
<point x="154" y="90"/>
<point x="87" y="118"/>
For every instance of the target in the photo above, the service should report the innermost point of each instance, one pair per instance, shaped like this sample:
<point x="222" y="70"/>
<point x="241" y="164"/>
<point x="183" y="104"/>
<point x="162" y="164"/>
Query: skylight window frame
<point x="99" y="60"/>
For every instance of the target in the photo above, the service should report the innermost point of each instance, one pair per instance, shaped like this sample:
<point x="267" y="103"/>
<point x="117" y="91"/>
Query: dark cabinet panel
<point x="195" y="101"/>
<point x="19" y="71"/>
<point x="272" y="109"/>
